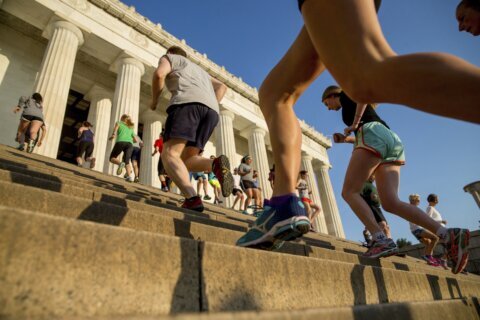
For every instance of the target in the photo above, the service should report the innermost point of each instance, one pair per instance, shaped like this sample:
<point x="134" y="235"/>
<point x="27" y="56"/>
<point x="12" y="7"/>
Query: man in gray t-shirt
<point x="192" y="117"/>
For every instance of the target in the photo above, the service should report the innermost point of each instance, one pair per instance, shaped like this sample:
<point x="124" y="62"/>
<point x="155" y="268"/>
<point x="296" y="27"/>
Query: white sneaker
<point x="130" y="179"/>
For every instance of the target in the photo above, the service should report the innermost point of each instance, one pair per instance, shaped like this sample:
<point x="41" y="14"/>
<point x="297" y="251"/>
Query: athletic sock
<point x="379" y="236"/>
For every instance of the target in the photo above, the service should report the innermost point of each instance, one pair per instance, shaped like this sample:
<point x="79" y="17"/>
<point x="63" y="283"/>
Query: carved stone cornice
<point x="156" y="33"/>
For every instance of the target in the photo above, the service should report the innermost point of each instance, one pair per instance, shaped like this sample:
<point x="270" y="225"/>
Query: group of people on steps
<point x="333" y="31"/>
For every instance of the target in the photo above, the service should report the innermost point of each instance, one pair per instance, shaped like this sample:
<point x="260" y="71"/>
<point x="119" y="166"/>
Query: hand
<point x="16" y="109"/>
<point x="153" y="104"/>
<point x="350" y="129"/>
<point x="39" y="143"/>
<point x="338" y="138"/>
<point x="111" y="137"/>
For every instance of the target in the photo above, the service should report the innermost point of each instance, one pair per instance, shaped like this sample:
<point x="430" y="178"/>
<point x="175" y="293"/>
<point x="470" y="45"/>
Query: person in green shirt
<point x="124" y="136"/>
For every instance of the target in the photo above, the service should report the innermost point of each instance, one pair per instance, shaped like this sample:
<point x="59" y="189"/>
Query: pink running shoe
<point x="457" y="248"/>
<point x="382" y="249"/>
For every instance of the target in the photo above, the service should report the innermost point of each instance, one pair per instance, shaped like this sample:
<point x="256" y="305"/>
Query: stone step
<point x="70" y="186"/>
<point x="22" y="164"/>
<point x="166" y="221"/>
<point x="465" y="309"/>
<point x="62" y="184"/>
<point x="78" y="268"/>
<point x="312" y="240"/>
<point x="39" y="162"/>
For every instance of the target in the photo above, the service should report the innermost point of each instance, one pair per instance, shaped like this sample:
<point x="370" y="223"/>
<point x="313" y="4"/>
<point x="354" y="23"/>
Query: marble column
<point x="54" y="78"/>
<point x="152" y="127"/>
<point x="99" y="117"/>
<point x="329" y="204"/>
<point x="474" y="189"/>
<point x="258" y="151"/>
<point x="315" y="196"/>
<point x="127" y="97"/>
<point x="226" y="143"/>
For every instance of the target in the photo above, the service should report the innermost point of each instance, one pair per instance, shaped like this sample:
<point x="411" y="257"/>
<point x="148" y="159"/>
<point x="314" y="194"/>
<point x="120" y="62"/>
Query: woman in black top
<point x="377" y="150"/>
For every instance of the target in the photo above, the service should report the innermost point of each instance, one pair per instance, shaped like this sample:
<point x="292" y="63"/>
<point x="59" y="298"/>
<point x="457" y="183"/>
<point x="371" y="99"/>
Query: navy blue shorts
<point x="136" y="153"/>
<point x="193" y="122"/>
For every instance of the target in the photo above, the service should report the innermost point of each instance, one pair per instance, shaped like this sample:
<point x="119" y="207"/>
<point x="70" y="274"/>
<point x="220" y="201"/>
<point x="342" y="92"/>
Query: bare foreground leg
<point x="358" y="56"/>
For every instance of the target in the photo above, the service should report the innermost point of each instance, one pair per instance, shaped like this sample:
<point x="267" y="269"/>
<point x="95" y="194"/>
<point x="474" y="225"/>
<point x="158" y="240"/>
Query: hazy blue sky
<point x="248" y="37"/>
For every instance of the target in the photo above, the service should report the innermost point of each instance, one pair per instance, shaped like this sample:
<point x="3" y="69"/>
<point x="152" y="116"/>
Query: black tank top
<point x="349" y="107"/>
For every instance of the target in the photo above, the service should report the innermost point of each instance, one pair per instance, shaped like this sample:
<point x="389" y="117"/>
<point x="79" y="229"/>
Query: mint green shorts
<point x="383" y="142"/>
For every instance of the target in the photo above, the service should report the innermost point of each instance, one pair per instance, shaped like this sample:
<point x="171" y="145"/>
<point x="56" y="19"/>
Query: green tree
<point x="402" y="242"/>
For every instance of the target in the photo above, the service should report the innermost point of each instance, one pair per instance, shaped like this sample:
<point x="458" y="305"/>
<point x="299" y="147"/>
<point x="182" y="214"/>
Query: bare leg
<point x="249" y="198"/>
<point x="315" y="211"/>
<point x="34" y="127"/>
<point x="205" y="186"/>
<point x="237" y="198"/>
<point x="79" y="161"/>
<point x="277" y="96"/>
<point x="22" y="127"/>
<point x="128" y="167"/>
<point x="135" y="168"/>
<point x="386" y="228"/>
<point x="388" y="180"/>
<point x="308" y="209"/>
<point x="361" y="166"/>
<point x="175" y="167"/>
<point x="115" y="161"/>
<point x="199" y="184"/>
<point x="429" y="82"/>
<point x="431" y="242"/>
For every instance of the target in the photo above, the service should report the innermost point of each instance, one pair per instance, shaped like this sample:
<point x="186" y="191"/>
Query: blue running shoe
<point x="274" y="224"/>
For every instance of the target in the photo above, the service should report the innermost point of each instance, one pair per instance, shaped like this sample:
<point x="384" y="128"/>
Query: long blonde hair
<point x="127" y="120"/>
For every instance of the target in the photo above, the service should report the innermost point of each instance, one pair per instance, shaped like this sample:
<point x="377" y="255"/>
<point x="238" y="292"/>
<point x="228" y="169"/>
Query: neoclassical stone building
<point x="94" y="59"/>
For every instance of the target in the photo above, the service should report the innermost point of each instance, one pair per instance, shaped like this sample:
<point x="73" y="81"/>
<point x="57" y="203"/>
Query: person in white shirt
<point x="429" y="239"/>
<point x="237" y="190"/>
<point x="435" y="215"/>
<point x="432" y="212"/>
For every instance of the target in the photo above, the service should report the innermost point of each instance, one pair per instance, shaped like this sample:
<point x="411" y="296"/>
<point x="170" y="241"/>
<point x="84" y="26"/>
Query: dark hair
<point x="177" y="50"/>
<point x="474" y="4"/>
<point x="303" y="172"/>
<point x="331" y="90"/>
<point x="432" y="197"/>
<point x="37" y="97"/>
<point x="87" y="124"/>
<point x="244" y="159"/>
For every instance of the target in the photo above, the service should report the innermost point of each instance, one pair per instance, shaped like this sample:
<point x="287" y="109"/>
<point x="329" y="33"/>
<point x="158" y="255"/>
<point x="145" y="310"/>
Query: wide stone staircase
<point x="78" y="244"/>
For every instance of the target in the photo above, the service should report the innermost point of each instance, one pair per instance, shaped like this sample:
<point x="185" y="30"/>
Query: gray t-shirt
<point x="137" y="144"/>
<point x="30" y="107"/>
<point x="246" y="168"/>
<point x="189" y="83"/>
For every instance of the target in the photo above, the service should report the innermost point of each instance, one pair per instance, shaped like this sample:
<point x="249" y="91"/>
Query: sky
<point x="249" y="37"/>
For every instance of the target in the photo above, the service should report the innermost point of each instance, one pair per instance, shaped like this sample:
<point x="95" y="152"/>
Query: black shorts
<point x="136" y="154"/>
<point x="235" y="190"/>
<point x="85" y="147"/>
<point x="193" y="122"/>
<point x="249" y="185"/>
<point x="125" y="147"/>
<point x="377" y="212"/>
<point x="160" y="167"/>
<point x="377" y="4"/>
<point x="31" y="118"/>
